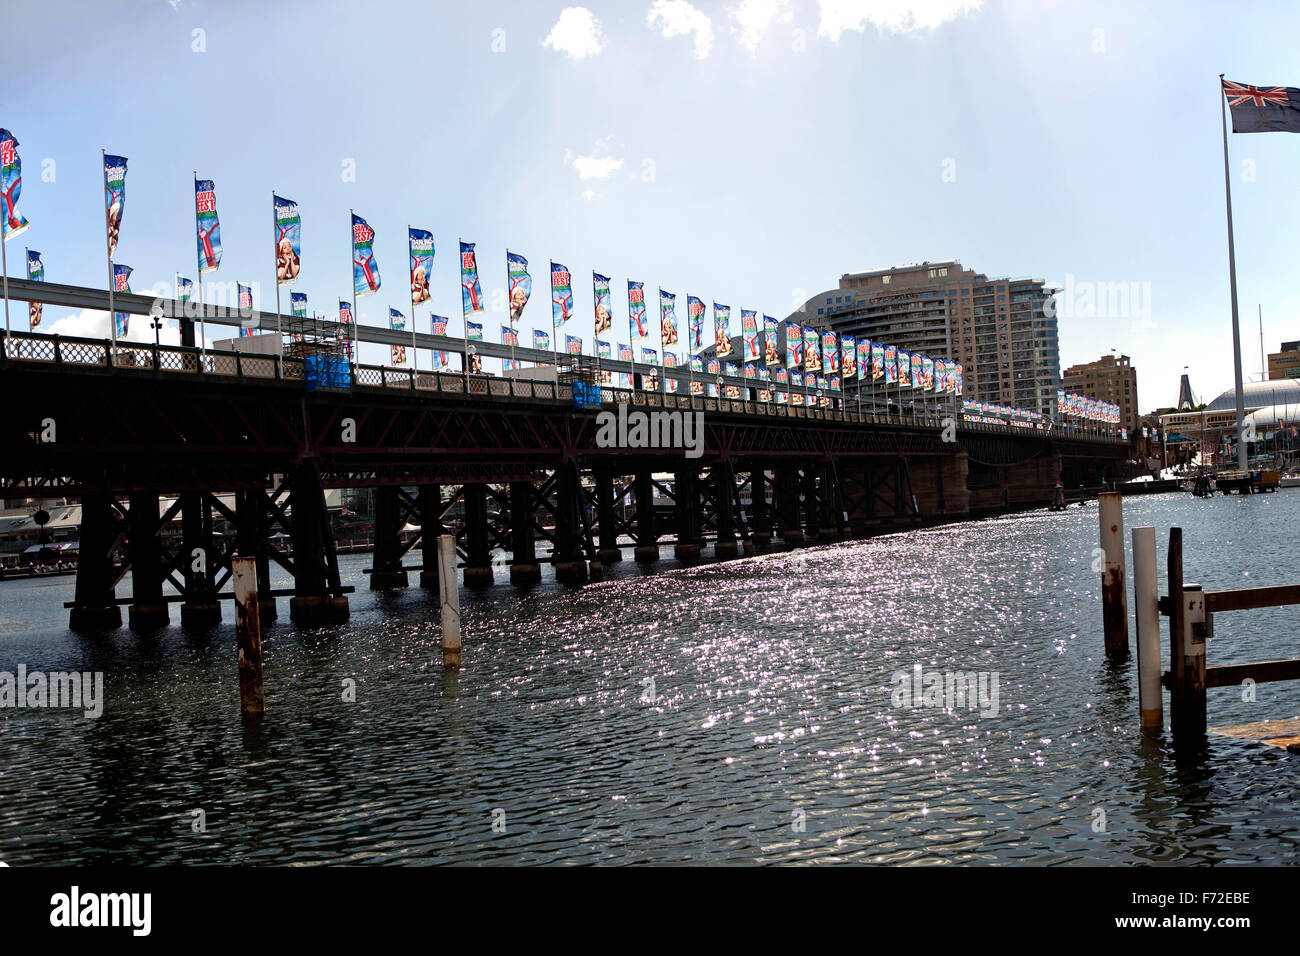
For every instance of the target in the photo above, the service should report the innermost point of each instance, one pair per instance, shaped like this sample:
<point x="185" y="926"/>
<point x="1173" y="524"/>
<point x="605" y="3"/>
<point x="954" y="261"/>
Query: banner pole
<point x="354" y="345"/>
<point x="198" y="257"/>
<point x="415" y="354"/>
<point x="279" y="329"/>
<point x="1232" y="285"/>
<point x="4" y="262"/>
<point x="108" y="248"/>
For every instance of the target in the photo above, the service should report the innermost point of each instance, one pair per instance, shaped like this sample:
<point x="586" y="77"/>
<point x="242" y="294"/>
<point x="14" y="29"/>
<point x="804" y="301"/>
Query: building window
<point x="884" y="280"/>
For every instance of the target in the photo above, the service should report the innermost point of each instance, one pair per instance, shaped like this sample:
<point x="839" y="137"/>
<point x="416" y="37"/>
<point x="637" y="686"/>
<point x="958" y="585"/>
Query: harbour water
<point x="741" y="712"/>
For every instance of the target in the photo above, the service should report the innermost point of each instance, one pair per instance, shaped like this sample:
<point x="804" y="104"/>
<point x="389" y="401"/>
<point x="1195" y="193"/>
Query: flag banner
<point x="697" y="363"/>
<point x="399" y="354"/>
<point x="441" y="357"/>
<point x="473" y="331"/>
<point x="509" y="336"/>
<point x="561" y="295"/>
<point x="927" y="373"/>
<point x="602" y="302"/>
<point x="184" y="289"/>
<point x="711" y="390"/>
<point x="288" y="239"/>
<point x="206" y="225"/>
<point x="765" y="375"/>
<point x="956" y="387"/>
<point x="573" y="344"/>
<point x="670" y="386"/>
<point x="11" y="184"/>
<point x="624" y="355"/>
<point x="916" y="371"/>
<point x="892" y="359"/>
<point x="830" y="352"/>
<point x="670" y="360"/>
<point x="121" y="283"/>
<point x="714" y="367"/>
<point x="1263" y="109"/>
<point x="636" y="317"/>
<point x="835" y="383"/>
<point x="649" y="356"/>
<point x="722" y="328"/>
<point x="750" y="371"/>
<point x="244" y="294"/>
<point x="36" y="273"/>
<point x="771" y="354"/>
<point x="298" y="304"/>
<point x="879" y="361"/>
<point x="864" y="362"/>
<point x="114" y="198"/>
<point x="749" y="335"/>
<point x="812" y="359"/>
<point x="602" y="349"/>
<point x="694" y="323"/>
<point x="365" y="270"/>
<point x="848" y="356"/>
<point x="345" y="313"/>
<point x="793" y="345"/>
<point x="782" y="376"/>
<point x="940" y="375"/>
<point x="420" y="248"/>
<point x="396" y="321"/>
<point x="796" y="378"/>
<point x="520" y="284"/>
<point x="730" y="369"/>
<point x="541" y="340"/>
<point x="667" y="318"/>
<point x="697" y="388"/>
<point x="471" y="293"/>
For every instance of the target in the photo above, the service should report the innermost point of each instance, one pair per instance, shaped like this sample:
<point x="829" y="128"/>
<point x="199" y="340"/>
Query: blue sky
<point x="751" y="159"/>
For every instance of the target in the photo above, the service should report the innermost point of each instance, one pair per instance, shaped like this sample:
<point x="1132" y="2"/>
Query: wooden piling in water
<point x="1114" y="603"/>
<point x="449" y="590"/>
<point x="1146" y="609"/>
<point x="248" y="632"/>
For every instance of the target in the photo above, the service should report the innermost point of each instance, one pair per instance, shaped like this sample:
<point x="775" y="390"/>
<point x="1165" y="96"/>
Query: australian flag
<point x="1263" y="109"/>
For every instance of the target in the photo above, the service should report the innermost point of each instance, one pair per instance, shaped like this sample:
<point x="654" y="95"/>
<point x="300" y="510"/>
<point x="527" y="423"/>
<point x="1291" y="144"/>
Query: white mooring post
<point x="248" y="634"/>
<point x="1114" y="601"/>
<point x="1146" y="609"/>
<point x="449" y="589"/>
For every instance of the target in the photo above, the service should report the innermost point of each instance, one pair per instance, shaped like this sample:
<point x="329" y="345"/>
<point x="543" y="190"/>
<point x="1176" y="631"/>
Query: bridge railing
<point x="186" y="360"/>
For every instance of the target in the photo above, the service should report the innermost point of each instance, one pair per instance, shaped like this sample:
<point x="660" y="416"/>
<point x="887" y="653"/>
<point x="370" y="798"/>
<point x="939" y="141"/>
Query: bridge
<point x="505" y="464"/>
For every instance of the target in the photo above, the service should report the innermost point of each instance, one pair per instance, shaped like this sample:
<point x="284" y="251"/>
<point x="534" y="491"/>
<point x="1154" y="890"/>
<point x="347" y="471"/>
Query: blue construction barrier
<point x="585" y="395"/>
<point x="326" y="371"/>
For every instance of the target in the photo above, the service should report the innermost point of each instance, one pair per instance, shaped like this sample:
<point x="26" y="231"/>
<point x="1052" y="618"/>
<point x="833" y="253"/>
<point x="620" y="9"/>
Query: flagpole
<point x="415" y="354"/>
<point x="4" y="263"/>
<point x="1232" y="285"/>
<point x="354" y="345"/>
<point x="108" y="249"/>
<point x="279" y="329"/>
<point x="510" y="314"/>
<point x="198" y="258"/>
<point x="464" y="356"/>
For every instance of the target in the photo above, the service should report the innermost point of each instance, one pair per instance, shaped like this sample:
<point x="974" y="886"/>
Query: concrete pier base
<point x="793" y="539"/>
<point x="429" y="580"/>
<point x="747" y="547"/>
<point x="686" y="552"/>
<point x="762" y="539"/>
<point x="315" y="610"/>
<point x="95" y="618"/>
<point x="388" y="580"/>
<point x="266" y="610"/>
<point x="200" y="615"/>
<point x="478" y="577"/>
<point x="725" y="549"/>
<point x="646" y="553"/>
<point x="595" y="570"/>
<point x="610" y="555"/>
<point x="571" y="572"/>
<point x="147" y="617"/>
<point x="525" y="573"/>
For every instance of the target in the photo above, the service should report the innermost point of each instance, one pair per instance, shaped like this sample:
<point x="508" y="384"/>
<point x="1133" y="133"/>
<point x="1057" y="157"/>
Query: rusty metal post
<point x="1188" y="718"/>
<point x="1114" y="602"/>
<point x="1146" y="609"/>
<point x="449" y="590"/>
<point x="248" y="632"/>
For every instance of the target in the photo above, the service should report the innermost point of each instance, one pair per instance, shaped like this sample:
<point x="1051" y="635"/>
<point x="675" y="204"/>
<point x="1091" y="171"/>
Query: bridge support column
<point x="786" y="487"/>
<point x="570" y="563"/>
<point x="318" y="597"/>
<point x="834" y="523"/>
<point x="647" y="542"/>
<point x="811" y="502"/>
<point x="94" y="605"/>
<point x="524" y="568"/>
<point x="758" y="505"/>
<point x="148" y="610"/>
<point x="686" y="491"/>
<point x="388" y="573"/>
<point x="605" y="521"/>
<point x="724" y="489"/>
<point x="478" y="548"/>
<point x="250" y="541"/>
<point x="200" y="609"/>
<point x="429" y="502"/>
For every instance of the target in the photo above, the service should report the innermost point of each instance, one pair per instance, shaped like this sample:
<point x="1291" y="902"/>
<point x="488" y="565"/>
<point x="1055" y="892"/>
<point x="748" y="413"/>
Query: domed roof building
<point x="1276" y="391"/>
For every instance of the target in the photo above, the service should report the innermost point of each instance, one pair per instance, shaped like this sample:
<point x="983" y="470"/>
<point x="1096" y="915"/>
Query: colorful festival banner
<point x="891" y="365"/>
<point x="602" y="349"/>
<point x="288" y="239"/>
<point x="510" y="337"/>
<point x="541" y="340"/>
<point x="812" y="359"/>
<point x="793" y="345"/>
<point x="36" y="273"/>
<point x="636" y="316"/>
<point x="771" y="354"/>
<point x="878" y="361"/>
<point x="520" y="284"/>
<point x="471" y="293"/>
<point x="625" y="355"/>
<point x="649" y="356"/>
<point x="396" y="321"/>
<point x="398" y="354"/>
<point x="917" y="377"/>
<point x="365" y="270"/>
<point x="561" y="295"/>
<point x="114" y="198"/>
<point x="927" y="373"/>
<point x="722" y="328"/>
<point x="573" y="344"/>
<point x="441" y="357"/>
<point x="830" y="352"/>
<point x="749" y="335"/>
<point x="184" y="289"/>
<point x="667" y="317"/>
<point x="848" y="355"/>
<point x="207" y="227"/>
<point x="473" y="331"/>
<point x="697" y="364"/>
<point x="298" y="304"/>
<point x="602" y="302"/>
<point x="121" y="283"/>
<point x="694" y="323"/>
<point x="11" y="186"/>
<point x="419" y="245"/>
<point x="865" y="371"/>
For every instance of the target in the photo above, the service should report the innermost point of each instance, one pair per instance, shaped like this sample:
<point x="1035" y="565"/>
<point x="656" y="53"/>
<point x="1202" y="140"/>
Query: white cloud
<point x="591" y="195"/>
<point x="576" y="33"/>
<point x="677" y="18"/>
<point x="596" y="167"/>
<point x="897" y="16"/>
<point x="93" y="324"/>
<point x="751" y="19"/>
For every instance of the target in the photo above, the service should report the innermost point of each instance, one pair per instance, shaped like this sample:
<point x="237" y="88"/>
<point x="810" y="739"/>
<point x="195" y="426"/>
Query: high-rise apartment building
<point x="1286" y="363"/>
<point x="1110" y="379"/>
<point x="996" y="328"/>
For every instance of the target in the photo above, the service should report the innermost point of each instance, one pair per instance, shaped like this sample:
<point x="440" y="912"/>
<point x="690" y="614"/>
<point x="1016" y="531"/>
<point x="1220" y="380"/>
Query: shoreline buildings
<point x="998" y="329"/>
<point x="1111" y="379"/>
